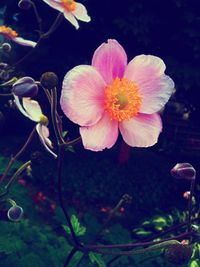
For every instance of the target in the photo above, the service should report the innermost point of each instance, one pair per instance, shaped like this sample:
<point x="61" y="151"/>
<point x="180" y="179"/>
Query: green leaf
<point x="194" y="263"/>
<point x="97" y="258"/>
<point x="78" y="229"/>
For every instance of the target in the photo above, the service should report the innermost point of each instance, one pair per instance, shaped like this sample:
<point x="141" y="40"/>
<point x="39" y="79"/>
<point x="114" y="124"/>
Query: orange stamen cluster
<point x="8" y="32"/>
<point x="122" y="99"/>
<point x="69" y="5"/>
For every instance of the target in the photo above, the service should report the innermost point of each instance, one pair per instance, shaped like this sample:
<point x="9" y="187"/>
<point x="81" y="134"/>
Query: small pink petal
<point x="81" y="13"/>
<point x="110" y="60"/>
<point x="21" y="41"/>
<point x="155" y="87"/>
<point x="141" y="131"/>
<point x="43" y="133"/>
<point x="101" y="135"/>
<point x="82" y="96"/>
<point x="70" y="17"/>
<point x="55" y="4"/>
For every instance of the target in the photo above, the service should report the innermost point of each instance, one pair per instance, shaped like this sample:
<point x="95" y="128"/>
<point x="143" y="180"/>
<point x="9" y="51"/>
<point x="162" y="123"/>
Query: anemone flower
<point x="111" y="94"/>
<point x="31" y="109"/>
<point x="12" y="35"/>
<point x="71" y="10"/>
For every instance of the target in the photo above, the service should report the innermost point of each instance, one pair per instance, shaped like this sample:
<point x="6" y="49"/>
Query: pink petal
<point x="24" y="42"/>
<point x="43" y="133"/>
<point x="55" y="4"/>
<point x="110" y="60"/>
<point x="101" y="135"/>
<point x="70" y="17"/>
<point x="155" y="87"/>
<point x="81" y="13"/>
<point x="82" y="97"/>
<point x="141" y="131"/>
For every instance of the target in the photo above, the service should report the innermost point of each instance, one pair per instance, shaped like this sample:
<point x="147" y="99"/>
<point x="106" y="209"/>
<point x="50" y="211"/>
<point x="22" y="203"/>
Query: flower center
<point x="8" y="32"/>
<point x="69" y="5"/>
<point x="122" y="99"/>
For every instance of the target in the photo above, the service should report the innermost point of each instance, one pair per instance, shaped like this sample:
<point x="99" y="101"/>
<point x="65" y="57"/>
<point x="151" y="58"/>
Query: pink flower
<point x="71" y="10"/>
<point x="12" y="35"/>
<point x="111" y="94"/>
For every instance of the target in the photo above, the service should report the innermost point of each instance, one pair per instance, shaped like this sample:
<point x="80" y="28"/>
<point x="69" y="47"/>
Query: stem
<point x="13" y="159"/>
<point x="132" y="245"/>
<point x="190" y="204"/>
<point x="54" y="117"/>
<point x="73" y="142"/>
<point x="17" y="173"/>
<point x="7" y="94"/>
<point x="70" y="256"/>
<point x="54" y="26"/>
<point x="60" y="196"/>
<point x="38" y="18"/>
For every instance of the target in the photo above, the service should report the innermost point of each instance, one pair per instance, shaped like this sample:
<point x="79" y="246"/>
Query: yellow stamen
<point x="122" y="99"/>
<point x="8" y="32"/>
<point x="43" y="120"/>
<point x="69" y="5"/>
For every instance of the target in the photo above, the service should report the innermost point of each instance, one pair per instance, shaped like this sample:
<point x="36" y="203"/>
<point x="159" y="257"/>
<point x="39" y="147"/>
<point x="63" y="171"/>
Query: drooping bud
<point x="6" y="47"/>
<point x="49" y="80"/>
<point x="25" y="87"/>
<point x="178" y="253"/>
<point x="183" y="171"/>
<point x="24" y="4"/>
<point x="15" y="213"/>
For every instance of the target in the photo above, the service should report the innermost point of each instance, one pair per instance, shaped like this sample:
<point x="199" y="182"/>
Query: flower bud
<point x="15" y="213"/>
<point x="6" y="47"/>
<point x="25" y="87"/>
<point x="49" y="80"/>
<point x="4" y="75"/>
<point x="183" y="171"/>
<point x="24" y="4"/>
<point x="178" y="254"/>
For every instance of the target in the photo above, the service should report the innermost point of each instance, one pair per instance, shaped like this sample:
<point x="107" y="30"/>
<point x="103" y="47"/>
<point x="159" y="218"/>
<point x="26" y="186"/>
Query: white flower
<point x="31" y="109"/>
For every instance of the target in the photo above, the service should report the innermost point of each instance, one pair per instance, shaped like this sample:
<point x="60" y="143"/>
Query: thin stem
<point x="190" y="204"/>
<point x="72" y="142"/>
<point x="70" y="257"/>
<point x="132" y="245"/>
<point x="54" y="117"/>
<point x="17" y="173"/>
<point x="38" y="18"/>
<point x="53" y="27"/>
<point x="19" y="153"/>
<point x="60" y="196"/>
<point x="7" y="94"/>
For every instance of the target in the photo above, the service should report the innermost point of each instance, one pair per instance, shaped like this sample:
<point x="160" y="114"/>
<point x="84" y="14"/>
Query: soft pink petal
<point x="101" y="135"/>
<point x="141" y="131"/>
<point x="82" y="97"/>
<point x="24" y="42"/>
<point x="55" y="4"/>
<point x="43" y="133"/>
<point x="70" y="17"/>
<point x="155" y="87"/>
<point x="32" y="108"/>
<point x="110" y="60"/>
<point x="81" y="13"/>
